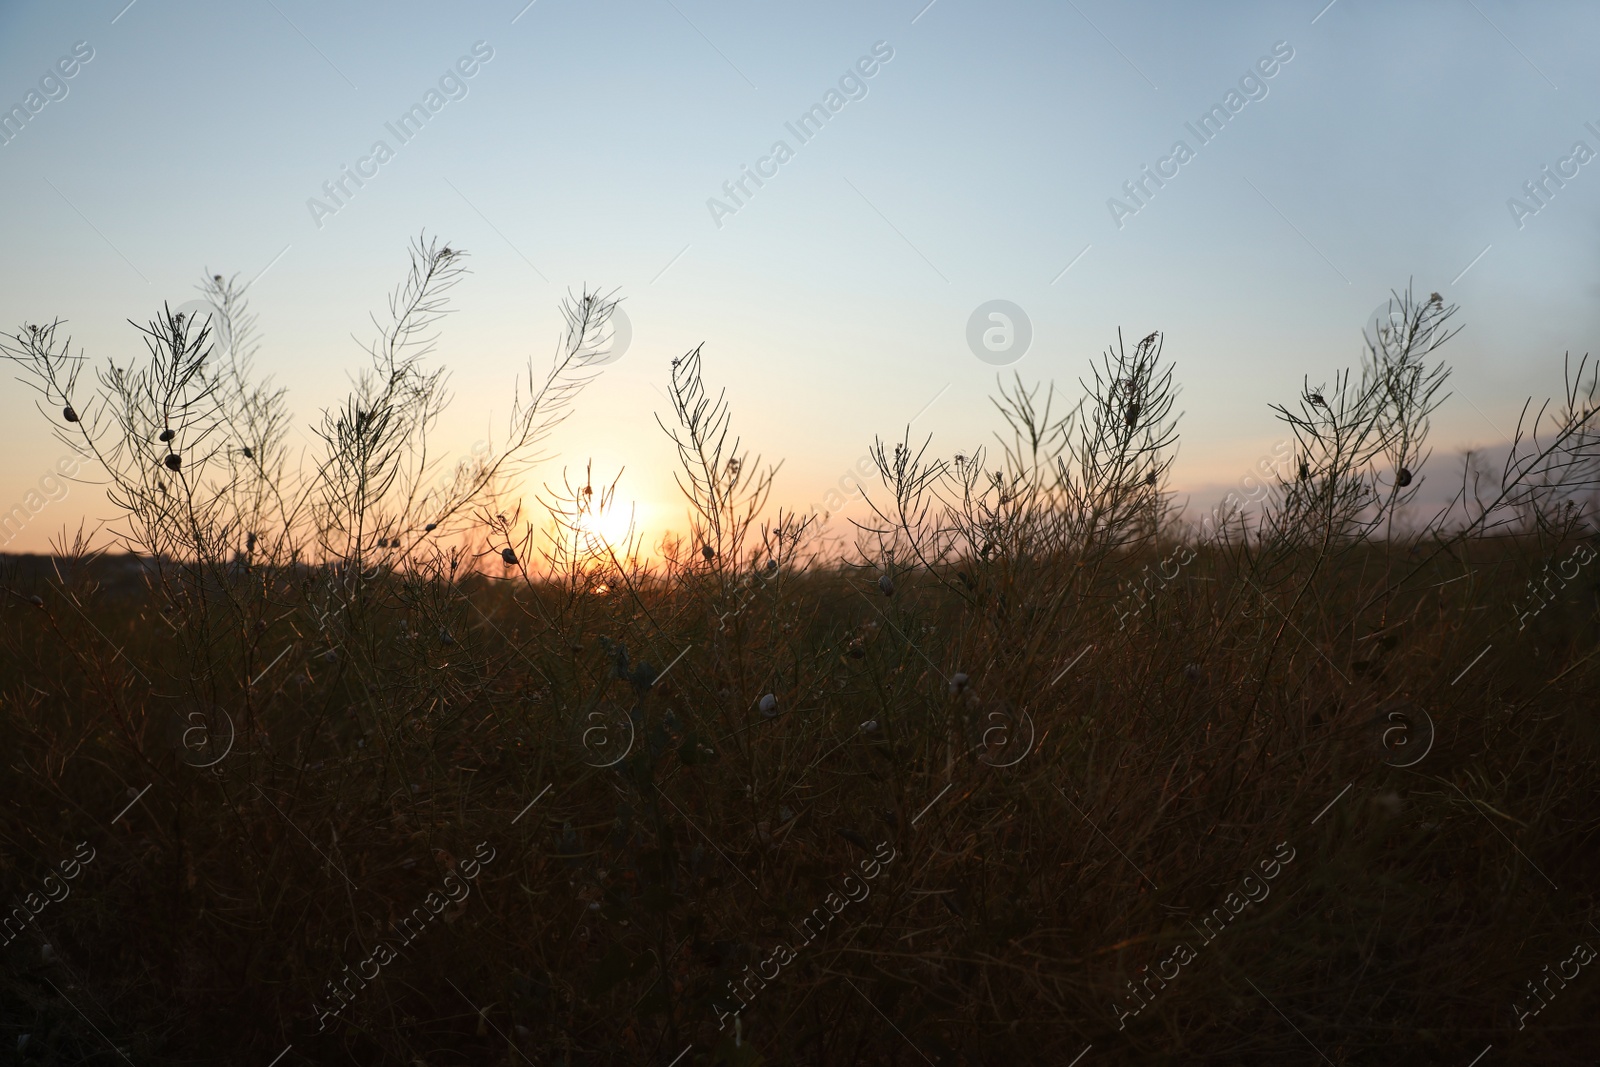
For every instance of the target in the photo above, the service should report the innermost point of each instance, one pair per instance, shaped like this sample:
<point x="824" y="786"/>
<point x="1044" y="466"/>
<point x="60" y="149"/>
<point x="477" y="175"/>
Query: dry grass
<point x="325" y="729"/>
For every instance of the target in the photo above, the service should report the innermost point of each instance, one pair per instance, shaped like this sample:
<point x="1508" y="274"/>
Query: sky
<point x="1366" y="146"/>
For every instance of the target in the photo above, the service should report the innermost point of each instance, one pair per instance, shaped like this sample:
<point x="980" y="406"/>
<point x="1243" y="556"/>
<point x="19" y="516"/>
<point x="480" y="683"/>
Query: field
<point x="350" y="763"/>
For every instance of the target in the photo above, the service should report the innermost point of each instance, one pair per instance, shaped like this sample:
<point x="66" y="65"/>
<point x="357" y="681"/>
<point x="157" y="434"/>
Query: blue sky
<point x="834" y="303"/>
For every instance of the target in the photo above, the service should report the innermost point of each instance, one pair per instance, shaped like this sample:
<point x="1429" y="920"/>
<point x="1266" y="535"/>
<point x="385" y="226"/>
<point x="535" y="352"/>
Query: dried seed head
<point x="886" y="584"/>
<point x="1305" y="471"/>
<point x="1132" y="416"/>
<point x="707" y="553"/>
<point x="1435" y="299"/>
<point x="68" y="414"/>
<point x="1403" y="479"/>
<point x="167" y="435"/>
<point x="1316" y="398"/>
<point x="247" y="453"/>
<point x="769" y="705"/>
<point x="1150" y="479"/>
<point x="432" y="526"/>
<point x="249" y="542"/>
<point x="509" y="556"/>
<point x="173" y="461"/>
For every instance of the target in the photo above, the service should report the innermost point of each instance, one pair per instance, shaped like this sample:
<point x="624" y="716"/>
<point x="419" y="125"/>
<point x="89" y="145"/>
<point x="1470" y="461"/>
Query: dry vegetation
<point x="373" y="766"/>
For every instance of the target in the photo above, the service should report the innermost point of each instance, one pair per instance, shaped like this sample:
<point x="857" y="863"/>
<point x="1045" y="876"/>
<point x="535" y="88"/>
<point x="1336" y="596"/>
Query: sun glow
<point x="607" y="530"/>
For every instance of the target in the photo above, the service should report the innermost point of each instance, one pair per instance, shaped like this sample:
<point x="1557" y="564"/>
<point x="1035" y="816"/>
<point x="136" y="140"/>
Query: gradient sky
<point x="834" y="304"/>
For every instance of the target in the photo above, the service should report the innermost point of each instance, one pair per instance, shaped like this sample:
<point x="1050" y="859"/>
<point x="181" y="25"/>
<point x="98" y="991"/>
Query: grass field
<point x="346" y="764"/>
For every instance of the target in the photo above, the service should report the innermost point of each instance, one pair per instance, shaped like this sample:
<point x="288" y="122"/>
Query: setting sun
<point x="609" y="528"/>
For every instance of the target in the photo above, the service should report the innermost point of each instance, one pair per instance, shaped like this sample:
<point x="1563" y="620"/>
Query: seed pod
<point x="68" y="414"/>
<point x="1150" y="479"/>
<point x="168" y="434"/>
<point x="509" y="556"/>
<point x="886" y="584"/>
<point x="36" y="600"/>
<point x="705" y="551"/>
<point x="247" y="453"/>
<point x="854" y="838"/>
<point x="432" y="526"/>
<point x="1403" y="479"/>
<point x="769" y="705"/>
<point x="1132" y="417"/>
<point x="173" y="462"/>
<point x="1305" y="471"/>
<point x="249" y="542"/>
